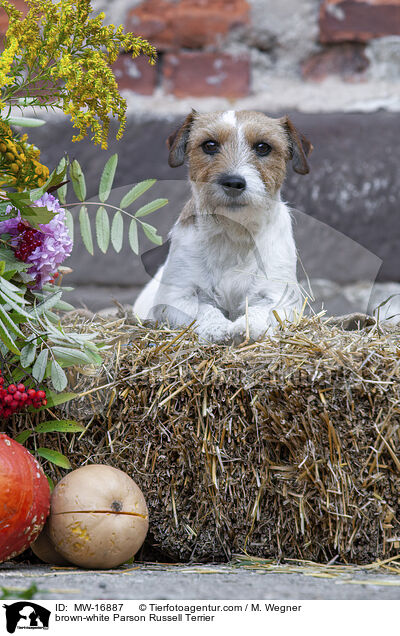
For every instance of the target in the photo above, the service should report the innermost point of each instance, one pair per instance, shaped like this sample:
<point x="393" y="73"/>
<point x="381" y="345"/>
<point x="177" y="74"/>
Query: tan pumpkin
<point x="99" y="517"/>
<point x="44" y="549"/>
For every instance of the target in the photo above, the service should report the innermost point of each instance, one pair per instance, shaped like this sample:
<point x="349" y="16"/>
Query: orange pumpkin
<point x="24" y="498"/>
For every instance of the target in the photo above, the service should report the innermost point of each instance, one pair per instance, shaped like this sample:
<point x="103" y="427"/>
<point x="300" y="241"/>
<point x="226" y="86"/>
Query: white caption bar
<point x="187" y="617"/>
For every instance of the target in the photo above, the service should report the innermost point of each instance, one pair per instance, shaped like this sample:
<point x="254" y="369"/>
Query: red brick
<point x="18" y="4"/>
<point x="200" y="74"/>
<point x="346" y="60"/>
<point x="136" y="75"/>
<point x="187" y="23"/>
<point x="358" y="20"/>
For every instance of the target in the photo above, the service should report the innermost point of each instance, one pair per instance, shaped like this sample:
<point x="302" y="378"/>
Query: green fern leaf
<point x="107" y="178"/>
<point x="117" y="231"/>
<point x="102" y="229"/>
<point x="86" y="231"/>
<point x="135" y="192"/>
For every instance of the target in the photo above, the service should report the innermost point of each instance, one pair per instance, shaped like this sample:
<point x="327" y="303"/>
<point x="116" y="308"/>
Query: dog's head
<point x="237" y="159"/>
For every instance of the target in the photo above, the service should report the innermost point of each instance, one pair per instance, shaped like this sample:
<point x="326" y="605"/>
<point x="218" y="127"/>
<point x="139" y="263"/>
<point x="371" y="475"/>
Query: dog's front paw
<point x="243" y="330"/>
<point x="239" y="331"/>
<point x="214" y="333"/>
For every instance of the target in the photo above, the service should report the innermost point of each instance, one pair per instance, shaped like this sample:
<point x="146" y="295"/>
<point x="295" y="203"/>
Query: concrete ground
<point x="149" y="581"/>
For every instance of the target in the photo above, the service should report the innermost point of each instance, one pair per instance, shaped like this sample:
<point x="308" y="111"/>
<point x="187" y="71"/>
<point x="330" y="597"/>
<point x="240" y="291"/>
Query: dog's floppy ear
<point x="177" y="142"/>
<point x="300" y="147"/>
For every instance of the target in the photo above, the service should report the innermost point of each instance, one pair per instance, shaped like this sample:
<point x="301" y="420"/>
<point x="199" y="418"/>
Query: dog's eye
<point x="262" y="148"/>
<point x="210" y="147"/>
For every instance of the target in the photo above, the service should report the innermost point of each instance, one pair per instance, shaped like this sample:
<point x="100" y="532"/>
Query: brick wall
<point x="190" y="37"/>
<point x="346" y="28"/>
<point x="229" y="48"/>
<point x="217" y="47"/>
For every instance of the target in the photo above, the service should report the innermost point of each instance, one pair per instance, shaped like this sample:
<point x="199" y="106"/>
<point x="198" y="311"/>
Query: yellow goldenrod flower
<point x="60" y="44"/>
<point x="19" y="168"/>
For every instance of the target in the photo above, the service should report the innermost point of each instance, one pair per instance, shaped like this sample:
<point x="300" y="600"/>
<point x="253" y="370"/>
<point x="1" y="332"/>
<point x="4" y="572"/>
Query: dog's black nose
<point x="233" y="184"/>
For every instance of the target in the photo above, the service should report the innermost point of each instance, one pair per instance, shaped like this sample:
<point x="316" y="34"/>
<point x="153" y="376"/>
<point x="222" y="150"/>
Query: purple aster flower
<point x="51" y="242"/>
<point x="10" y="226"/>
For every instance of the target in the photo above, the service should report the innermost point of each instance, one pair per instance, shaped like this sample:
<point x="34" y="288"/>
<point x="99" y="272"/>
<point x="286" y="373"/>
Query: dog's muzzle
<point x="232" y="184"/>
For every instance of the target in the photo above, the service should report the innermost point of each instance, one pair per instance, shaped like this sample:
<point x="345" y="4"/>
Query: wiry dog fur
<point x="232" y="259"/>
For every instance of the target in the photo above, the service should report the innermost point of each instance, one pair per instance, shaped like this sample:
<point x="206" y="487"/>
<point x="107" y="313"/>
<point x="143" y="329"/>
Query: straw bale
<point x="287" y="448"/>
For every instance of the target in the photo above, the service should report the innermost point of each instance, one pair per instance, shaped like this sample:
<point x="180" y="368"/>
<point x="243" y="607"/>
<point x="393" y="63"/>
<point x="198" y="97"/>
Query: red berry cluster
<point x="14" y="398"/>
<point x="29" y="240"/>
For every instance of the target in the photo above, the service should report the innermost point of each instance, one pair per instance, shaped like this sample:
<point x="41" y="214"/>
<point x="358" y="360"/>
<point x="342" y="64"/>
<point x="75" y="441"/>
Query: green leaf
<point x="9" y="275"/>
<point x="62" y="305"/>
<point x="54" y="399"/>
<point x="9" y="322"/>
<point x="7" y="339"/>
<point x="52" y="317"/>
<point x="19" y="197"/>
<point x="33" y="214"/>
<point x="151" y="233"/>
<point x="133" y="236"/>
<point x="12" y="268"/>
<point x="61" y="165"/>
<point x="135" y="192"/>
<point x="70" y="356"/>
<point x="78" y="180"/>
<point x="151" y="207"/>
<point x="69" y="222"/>
<point x="59" y="426"/>
<point x="107" y="178"/>
<point x="12" y="593"/>
<point x="23" y="436"/>
<point x="17" y="308"/>
<point x="62" y="192"/>
<point x="7" y="255"/>
<point x="51" y="483"/>
<point x="95" y="357"/>
<point x="86" y="230"/>
<point x="48" y="303"/>
<point x="117" y="231"/>
<point x="58" y="377"/>
<point x="74" y="336"/>
<point x="26" y="122"/>
<point x="17" y="319"/>
<point x="54" y="457"/>
<point x="10" y="287"/>
<point x="36" y="215"/>
<point x="28" y="354"/>
<point x="102" y="229"/>
<point x="54" y="179"/>
<point x="2" y="267"/>
<point x="26" y="101"/>
<point x="3" y="209"/>
<point x="11" y="263"/>
<point x="39" y="368"/>
<point x="63" y="287"/>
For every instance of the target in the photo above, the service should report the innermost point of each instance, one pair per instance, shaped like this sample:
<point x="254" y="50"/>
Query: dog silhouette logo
<point x="26" y="615"/>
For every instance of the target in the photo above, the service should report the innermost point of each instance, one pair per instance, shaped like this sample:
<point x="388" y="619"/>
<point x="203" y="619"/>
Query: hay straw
<point x="285" y="448"/>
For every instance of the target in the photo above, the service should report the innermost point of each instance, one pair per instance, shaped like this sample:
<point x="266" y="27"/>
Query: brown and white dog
<point x="232" y="258"/>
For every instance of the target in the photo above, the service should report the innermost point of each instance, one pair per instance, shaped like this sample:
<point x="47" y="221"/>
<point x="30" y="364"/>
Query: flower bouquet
<point x="58" y="56"/>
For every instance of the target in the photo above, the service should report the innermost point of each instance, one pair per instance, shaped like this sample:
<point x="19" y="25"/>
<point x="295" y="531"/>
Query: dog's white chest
<point x="229" y="276"/>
